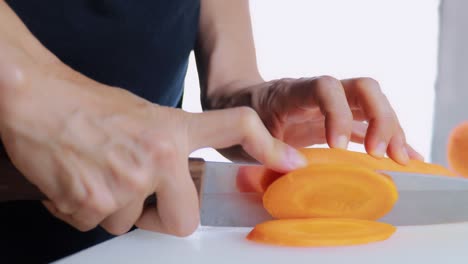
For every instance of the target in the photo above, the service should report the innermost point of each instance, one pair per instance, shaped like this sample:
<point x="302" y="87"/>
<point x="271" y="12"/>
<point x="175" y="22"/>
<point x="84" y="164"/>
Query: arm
<point x="97" y="151"/>
<point x="225" y="51"/>
<point x="19" y="49"/>
<point x="301" y="112"/>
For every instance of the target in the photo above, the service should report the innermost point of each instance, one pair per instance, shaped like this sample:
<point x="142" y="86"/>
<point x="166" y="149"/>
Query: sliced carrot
<point x="320" y="232"/>
<point x="340" y="156"/>
<point x="255" y="178"/>
<point x="457" y="149"/>
<point x="258" y="179"/>
<point x="331" y="191"/>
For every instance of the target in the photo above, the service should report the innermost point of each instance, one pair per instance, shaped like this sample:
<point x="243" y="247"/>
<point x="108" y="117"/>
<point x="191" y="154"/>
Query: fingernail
<point x="295" y="159"/>
<point x="380" y="150"/>
<point x="342" y="142"/>
<point x="413" y="154"/>
<point x="420" y="157"/>
<point x="404" y="155"/>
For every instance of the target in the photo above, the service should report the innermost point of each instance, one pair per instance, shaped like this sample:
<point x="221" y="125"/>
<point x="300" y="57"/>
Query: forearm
<point x="225" y="51"/>
<point x="22" y="58"/>
<point x="14" y="34"/>
<point x="19" y="49"/>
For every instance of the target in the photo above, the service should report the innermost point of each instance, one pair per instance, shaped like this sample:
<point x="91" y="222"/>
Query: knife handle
<point x="15" y="187"/>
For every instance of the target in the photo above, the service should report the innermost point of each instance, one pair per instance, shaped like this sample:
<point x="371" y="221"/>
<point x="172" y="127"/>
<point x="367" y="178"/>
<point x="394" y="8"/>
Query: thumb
<point x="242" y="126"/>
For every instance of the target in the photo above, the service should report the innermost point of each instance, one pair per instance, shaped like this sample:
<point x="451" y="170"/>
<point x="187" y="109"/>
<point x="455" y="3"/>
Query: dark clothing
<point x="142" y="46"/>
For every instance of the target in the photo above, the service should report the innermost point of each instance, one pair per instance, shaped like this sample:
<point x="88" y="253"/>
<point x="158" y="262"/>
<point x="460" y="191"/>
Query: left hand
<point x="308" y="111"/>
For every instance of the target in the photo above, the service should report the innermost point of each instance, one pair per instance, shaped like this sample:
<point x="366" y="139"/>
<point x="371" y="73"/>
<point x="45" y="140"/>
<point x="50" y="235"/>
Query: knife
<point x="423" y="199"/>
<point x="15" y="187"/>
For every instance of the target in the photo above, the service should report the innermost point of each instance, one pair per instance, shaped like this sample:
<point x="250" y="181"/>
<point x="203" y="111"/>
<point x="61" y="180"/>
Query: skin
<point x="98" y="151"/>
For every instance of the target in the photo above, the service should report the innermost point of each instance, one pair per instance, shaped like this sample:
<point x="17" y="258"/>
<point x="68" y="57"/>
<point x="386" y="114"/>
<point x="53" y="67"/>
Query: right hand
<point x="97" y="151"/>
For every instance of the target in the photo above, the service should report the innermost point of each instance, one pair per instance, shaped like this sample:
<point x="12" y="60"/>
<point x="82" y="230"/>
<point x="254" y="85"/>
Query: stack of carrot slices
<point x="334" y="201"/>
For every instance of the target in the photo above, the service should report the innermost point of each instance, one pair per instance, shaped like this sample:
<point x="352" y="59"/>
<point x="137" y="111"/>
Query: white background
<point x="394" y="42"/>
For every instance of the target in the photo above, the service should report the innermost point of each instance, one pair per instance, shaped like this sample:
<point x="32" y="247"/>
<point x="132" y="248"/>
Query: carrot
<point x="255" y="178"/>
<point x="457" y="149"/>
<point x="331" y="191"/>
<point x="346" y="157"/>
<point x="320" y="232"/>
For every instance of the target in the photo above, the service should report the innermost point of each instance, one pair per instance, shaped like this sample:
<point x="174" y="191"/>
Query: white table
<point x="410" y="244"/>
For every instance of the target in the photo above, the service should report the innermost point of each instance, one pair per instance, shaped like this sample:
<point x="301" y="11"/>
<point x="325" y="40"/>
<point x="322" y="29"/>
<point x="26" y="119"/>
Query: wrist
<point x="232" y="94"/>
<point x="20" y="72"/>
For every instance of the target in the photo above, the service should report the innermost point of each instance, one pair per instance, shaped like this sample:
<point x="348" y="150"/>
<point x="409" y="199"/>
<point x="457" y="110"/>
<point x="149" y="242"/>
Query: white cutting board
<point x="410" y="244"/>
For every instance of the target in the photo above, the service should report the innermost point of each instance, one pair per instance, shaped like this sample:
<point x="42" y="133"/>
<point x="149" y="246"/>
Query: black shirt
<point x="142" y="46"/>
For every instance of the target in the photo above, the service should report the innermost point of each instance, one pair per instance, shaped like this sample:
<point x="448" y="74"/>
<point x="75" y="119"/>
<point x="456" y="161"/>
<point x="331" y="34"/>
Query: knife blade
<point x="423" y="199"/>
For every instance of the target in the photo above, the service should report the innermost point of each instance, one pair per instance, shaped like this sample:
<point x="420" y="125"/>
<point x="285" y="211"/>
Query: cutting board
<point x="410" y="244"/>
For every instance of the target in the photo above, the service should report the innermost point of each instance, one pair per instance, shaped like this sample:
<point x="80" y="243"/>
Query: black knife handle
<point x="14" y="186"/>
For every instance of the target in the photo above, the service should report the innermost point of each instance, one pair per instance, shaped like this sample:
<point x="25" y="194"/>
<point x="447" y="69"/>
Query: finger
<point x="329" y="94"/>
<point x="358" y="115"/>
<point x="313" y="132"/>
<point x="72" y="194"/>
<point x="80" y="224"/>
<point x="99" y="204"/>
<point x="131" y="185"/>
<point x="383" y="123"/>
<point x="397" y="149"/>
<point x="242" y="126"/>
<point x="64" y="217"/>
<point x="359" y="131"/>
<point x="52" y="183"/>
<point x="123" y="220"/>
<point x="305" y="134"/>
<point x="177" y="210"/>
<point x="413" y="154"/>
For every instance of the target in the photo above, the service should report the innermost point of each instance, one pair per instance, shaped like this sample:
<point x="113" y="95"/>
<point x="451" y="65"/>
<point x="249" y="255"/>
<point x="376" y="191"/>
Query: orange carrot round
<point x="255" y="178"/>
<point x="320" y="232"/>
<point x="331" y="191"/>
<point x="347" y="157"/>
<point x="457" y="149"/>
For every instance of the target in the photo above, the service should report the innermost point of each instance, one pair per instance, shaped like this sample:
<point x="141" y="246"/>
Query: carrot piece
<point x="255" y="178"/>
<point x="320" y="232"/>
<point x="457" y="149"/>
<point x="331" y="191"/>
<point x="347" y="157"/>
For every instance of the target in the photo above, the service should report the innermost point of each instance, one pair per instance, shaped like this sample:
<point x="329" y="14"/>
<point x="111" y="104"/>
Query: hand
<point x="308" y="111"/>
<point x="97" y="152"/>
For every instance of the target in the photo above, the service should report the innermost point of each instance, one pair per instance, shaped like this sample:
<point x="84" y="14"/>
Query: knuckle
<point x="326" y="81"/>
<point x="367" y="83"/>
<point x="74" y="200"/>
<point x="100" y="207"/>
<point x="248" y="119"/>
<point x="117" y="229"/>
<point x="85" y="226"/>
<point x="184" y="229"/>
<point x="162" y="150"/>
<point x="138" y="182"/>
<point x="339" y="115"/>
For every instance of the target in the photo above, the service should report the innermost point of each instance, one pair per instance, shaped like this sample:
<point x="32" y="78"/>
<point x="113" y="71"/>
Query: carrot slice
<point x="320" y="232"/>
<point x="331" y="191"/>
<point x="457" y="149"/>
<point x="347" y="157"/>
<point x="255" y="178"/>
<point x="258" y="179"/>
